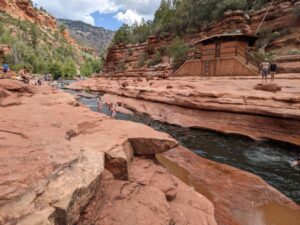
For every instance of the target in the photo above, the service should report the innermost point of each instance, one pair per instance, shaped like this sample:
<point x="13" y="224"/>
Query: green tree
<point x="178" y="51"/>
<point x="69" y="69"/>
<point x="122" y="35"/>
<point x="34" y="35"/>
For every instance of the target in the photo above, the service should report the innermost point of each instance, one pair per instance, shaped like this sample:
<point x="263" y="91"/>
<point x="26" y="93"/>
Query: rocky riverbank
<point x="57" y="158"/>
<point x="67" y="165"/>
<point x="224" y="104"/>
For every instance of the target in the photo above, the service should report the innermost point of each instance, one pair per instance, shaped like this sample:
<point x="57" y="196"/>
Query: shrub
<point x="156" y="59"/>
<point x="178" y="51"/>
<point x="266" y="36"/>
<point x="294" y="51"/>
<point x="296" y="12"/>
<point x="268" y="56"/>
<point x="142" y="59"/>
<point x="130" y="52"/>
<point x="121" y="66"/>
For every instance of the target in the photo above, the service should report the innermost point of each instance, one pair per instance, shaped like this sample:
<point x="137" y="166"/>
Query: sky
<point x="110" y="14"/>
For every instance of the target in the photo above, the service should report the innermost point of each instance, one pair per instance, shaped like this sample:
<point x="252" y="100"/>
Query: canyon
<point x="281" y="23"/>
<point x="223" y="104"/>
<point x="91" y="169"/>
<point x="63" y="164"/>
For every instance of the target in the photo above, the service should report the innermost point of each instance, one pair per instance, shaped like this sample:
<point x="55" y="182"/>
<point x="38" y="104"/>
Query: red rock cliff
<point x="23" y="9"/>
<point x="280" y="18"/>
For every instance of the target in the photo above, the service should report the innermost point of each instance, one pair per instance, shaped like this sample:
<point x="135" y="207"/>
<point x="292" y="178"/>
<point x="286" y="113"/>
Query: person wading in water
<point x="99" y="105"/>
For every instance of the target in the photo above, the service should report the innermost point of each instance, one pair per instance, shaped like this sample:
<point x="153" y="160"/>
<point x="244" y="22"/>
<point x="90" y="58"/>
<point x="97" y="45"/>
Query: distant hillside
<point x="97" y="38"/>
<point x="31" y="37"/>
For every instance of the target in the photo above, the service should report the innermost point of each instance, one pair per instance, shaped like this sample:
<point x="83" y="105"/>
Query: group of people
<point x="266" y="68"/>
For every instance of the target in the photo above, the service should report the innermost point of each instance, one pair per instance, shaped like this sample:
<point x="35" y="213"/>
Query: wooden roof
<point x="225" y="35"/>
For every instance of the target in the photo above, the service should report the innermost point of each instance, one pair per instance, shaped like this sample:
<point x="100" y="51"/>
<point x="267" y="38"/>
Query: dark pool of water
<point x="271" y="161"/>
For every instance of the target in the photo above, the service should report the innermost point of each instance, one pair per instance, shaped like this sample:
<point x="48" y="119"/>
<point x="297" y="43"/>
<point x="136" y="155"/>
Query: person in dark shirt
<point x="273" y="70"/>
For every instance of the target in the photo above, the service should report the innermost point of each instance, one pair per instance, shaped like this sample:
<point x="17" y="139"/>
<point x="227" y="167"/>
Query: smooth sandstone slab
<point x="224" y="104"/>
<point x="53" y="152"/>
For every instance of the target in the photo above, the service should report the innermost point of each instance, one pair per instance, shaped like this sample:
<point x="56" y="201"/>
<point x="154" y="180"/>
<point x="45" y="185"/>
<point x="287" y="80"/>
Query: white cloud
<point x="129" y="17"/>
<point x="126" y="11"/>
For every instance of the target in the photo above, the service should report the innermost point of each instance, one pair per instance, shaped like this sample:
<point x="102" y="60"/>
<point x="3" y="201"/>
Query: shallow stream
<point x="271" y="161"/>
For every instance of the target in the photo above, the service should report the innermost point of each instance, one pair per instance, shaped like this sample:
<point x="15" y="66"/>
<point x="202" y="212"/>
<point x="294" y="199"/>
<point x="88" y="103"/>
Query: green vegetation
<point x="42" y="50"/>
<point x="294" y="52"/>
<point x="121" y="66"/>
<point x="142" y="59"/>
<point x="90" y="67"/>
<point x="182" y="16"/>
<point x="155" y="60"/>
<point x="266" y="36"/>
<point x="297" y="12"/>
<point x="178" y="51"/>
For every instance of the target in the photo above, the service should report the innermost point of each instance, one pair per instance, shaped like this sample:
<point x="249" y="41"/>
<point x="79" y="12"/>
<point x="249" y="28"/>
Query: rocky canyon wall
<point x="23" y="10"/>
<point x="123" y="60"/>
<point x="221" y="104"/>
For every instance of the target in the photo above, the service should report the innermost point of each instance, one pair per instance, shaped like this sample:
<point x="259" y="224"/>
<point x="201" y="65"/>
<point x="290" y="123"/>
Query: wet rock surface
<point x="240" y="198"/>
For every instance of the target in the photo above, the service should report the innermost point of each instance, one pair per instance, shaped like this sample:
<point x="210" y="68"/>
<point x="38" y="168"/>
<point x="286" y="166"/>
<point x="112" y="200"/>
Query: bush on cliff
<point x="178" y="51"/>
<point x="156" y="59"/>
<point x="142" y="59"/>
<point x="182" y="16"/>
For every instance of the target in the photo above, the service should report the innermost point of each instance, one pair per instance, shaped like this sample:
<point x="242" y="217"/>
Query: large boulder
<point x="150" y="196"/>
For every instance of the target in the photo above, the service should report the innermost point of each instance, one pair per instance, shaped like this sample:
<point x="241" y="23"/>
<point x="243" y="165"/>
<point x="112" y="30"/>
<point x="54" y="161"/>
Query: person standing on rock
<point x="273" y="70"/>
<point x="5" y="68"/>
<point x="265" y="68"/>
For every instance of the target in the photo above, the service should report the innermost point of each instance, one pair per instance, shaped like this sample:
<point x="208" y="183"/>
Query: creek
<point x="269" y="160"/>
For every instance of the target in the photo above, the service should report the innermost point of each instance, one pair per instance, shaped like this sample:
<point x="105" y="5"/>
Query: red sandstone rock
<point x="22" y="9"/>
<point x="47" y="178"/>
<point x="240" y="198"/>
<point x="151" y="196"/>
<point x="280" y="14"/>
<point x="225" y="104"/>
<point x="271" y="87"/>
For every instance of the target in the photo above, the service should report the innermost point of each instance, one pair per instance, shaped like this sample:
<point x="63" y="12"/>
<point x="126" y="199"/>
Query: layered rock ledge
<point x="239" y="197"/>
<point x="224" y="104"/>
<point x="63" y="164"/>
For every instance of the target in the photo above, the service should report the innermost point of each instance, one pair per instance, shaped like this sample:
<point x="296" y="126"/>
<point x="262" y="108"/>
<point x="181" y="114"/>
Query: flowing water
<point x="271" y="161"/>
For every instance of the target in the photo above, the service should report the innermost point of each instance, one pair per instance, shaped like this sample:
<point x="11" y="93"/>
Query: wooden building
<point x="222" y="55"/>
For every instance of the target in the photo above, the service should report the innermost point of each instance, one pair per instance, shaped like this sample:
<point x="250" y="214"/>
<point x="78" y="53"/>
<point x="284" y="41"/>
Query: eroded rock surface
<point x="150" y="196"/>
<point x="240" y="198"/>
<point x="225" y="104"/>
<point x="53" y="152"/>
